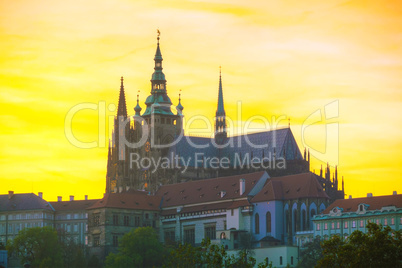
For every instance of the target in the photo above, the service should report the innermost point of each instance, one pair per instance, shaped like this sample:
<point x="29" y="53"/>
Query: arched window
<point x="257" y="223"/>
<point x="268" y="222"/>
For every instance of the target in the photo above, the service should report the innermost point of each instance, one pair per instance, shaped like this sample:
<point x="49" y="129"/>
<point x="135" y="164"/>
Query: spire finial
<point x="159" y="34"/>
<point x="138" y="96"/>
<point x="121" y="80"/>
<point x="289" y="121"/>
<point x="179" y="95"/>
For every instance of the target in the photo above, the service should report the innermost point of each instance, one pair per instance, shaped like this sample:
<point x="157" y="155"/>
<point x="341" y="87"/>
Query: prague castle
<point x="149" y="149"/>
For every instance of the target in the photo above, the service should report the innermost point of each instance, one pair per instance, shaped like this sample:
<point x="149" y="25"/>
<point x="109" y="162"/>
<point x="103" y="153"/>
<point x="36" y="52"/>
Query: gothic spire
<point x="220" y="117"/>
<point x="221" y="109"/>
<point x="122" y="108"/>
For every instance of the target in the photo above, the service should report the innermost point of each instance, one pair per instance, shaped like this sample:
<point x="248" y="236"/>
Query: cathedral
<point x="149" y="149"/>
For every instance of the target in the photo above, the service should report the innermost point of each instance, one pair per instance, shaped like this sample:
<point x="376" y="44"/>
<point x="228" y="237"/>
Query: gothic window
<point x="268" y="222"/>
<point x="257" y="223"/>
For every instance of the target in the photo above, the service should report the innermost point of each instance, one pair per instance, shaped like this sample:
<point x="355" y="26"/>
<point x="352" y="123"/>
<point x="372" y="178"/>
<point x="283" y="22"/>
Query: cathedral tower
<point x="220" y="116"/>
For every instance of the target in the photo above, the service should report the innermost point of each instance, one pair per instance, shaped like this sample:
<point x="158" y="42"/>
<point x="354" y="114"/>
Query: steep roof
<point x="374" y="202"/>
<point x="280" y="142"/>
<point x="208" y="190"/>
<point x="23" y="202"/>
<point x="73" y="205"/>
<point x="291" y="187"/>
<point x="128" y="200"/>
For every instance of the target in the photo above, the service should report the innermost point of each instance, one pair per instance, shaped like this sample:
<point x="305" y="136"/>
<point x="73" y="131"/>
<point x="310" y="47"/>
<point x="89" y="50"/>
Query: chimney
<point x="86" y="197"/>
<point x="40" y="194"/>
<point x="71" y="198"/>
<point x="59" y="198"/>
<point x="369" y="195"/>
<point x="242" y="186"/>
<point x="394" y="193"/>
<point x="10" y="194"/>
<point x="223" y="193"/>
<point x="350" y="197"/>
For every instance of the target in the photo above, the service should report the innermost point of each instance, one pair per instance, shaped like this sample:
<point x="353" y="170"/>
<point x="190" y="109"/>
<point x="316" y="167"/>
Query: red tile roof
<point x="291" y="187"/>
<point x="73" y="205"/>
<point x="208" y="190"/>
<point x="375" y="203"/>
<point x="128" y="200"/>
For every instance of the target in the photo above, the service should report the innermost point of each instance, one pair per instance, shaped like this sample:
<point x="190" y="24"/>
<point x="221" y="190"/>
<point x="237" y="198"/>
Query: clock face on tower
<point x="147" y="146"/>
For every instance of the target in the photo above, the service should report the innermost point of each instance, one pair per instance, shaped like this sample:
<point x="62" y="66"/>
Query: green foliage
<point x="37" y="246"/>
<point x="210" y="255"/>
<point x="138" y="248"/>
<point x="379" y="247"/>
<point x="311" y="254"/>
<point x="94" y="262"/>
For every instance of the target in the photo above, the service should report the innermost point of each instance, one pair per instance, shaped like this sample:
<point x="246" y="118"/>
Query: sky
<point x="332" y="67"/>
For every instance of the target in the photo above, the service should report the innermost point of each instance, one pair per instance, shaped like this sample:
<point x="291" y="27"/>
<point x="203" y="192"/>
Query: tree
<point x="379" y="247"/>
<point x="37" y="246"/>
<point x="138" y="248"/>
<point x="311" y="254"/>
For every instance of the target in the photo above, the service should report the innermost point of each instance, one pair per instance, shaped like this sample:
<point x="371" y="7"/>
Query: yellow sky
<point x="289" y="58"/>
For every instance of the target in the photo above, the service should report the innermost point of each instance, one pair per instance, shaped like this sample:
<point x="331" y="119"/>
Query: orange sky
<point x="289" y="58"/>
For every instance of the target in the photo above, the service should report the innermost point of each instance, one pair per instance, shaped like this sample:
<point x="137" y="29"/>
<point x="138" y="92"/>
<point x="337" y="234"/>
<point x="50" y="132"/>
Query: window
<point x="392" y="221"/>
<point x="268" y="222"/>
<point x="126" y="220"/>
<point x="232" y="212"/>
<point x="189" y="236"/>
<point x="338" y="225"/>
<point x="318" y="226"/>
<point x="96" y="241"/>
<point x="361" y="223"/>
<point x="377" y="221"/>
<point x="325" y="226"/>
<point x="353" y="224"/>
<point x="210" y="232"/>
<point x="385" y="222"/>
<point x="76" y="228"/>
<point x="280" y="260"/>
<point x="146" y="216"/>
<point x="170" y="236"/>
<point x="257" y="223"/>
<point x="333" y="226"/>
<point x="137" y="221"/>
<point x="291" y="260"/>
<point x="96" y="220"/>
<point x="86" y="240"/>
<point x="115" y="241"/>
<point x="68" y="228"/>
<point x="115" y="219"/>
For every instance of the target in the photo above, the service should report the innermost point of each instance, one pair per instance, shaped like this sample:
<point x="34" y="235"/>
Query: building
<point x="157" y="133"/>
<point x="286" y="205"/>
<point x="19" y="211"/>
<point x="345" y="216"/>
<point x="115" y="215"/>
<point x="71" y="219"/>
